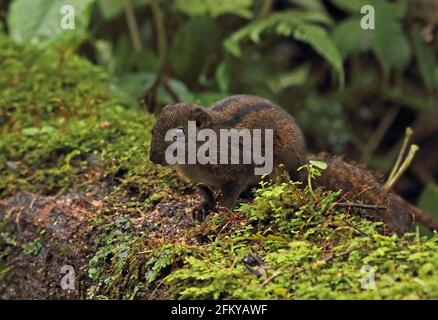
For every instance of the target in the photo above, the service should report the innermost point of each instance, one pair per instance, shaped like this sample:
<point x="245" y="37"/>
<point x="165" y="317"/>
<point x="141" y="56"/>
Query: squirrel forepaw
<point x="201" y="211"/>
<point x="207" y="205"/>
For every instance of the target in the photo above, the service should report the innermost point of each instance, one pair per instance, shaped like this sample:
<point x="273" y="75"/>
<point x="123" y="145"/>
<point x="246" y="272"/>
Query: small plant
<point x="313" y="170"/>
<point x="33" y="247"/>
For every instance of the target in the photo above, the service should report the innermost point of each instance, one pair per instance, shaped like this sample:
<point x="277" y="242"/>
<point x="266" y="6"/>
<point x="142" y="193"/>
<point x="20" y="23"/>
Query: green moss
<point x="32" y="247"/>
<point x="59" y="120"/>
<point x="8" y="240"/>
<point x="310" y="251"/>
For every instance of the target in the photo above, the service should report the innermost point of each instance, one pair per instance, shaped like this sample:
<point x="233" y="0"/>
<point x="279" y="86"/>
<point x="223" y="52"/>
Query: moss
<point x="59" y="122"/>
<point x="309" y="251"/>
<point x="8" y="242"/>
<point x="62" y="129"/>
<point x="306" y="250"/>
<point x="32" y="247"/>
<point x="7" y="239"/>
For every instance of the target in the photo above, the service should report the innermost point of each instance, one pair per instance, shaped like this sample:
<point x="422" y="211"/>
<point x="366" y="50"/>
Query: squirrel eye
<point x="179" y="134"/>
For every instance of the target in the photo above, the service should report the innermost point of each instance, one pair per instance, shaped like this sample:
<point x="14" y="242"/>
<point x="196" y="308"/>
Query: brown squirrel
<point x="289" y="153"/>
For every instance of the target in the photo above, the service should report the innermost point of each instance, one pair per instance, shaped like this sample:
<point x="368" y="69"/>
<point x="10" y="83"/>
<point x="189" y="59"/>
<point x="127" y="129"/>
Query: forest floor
<point x="63" y="230"/>
<point x="77" y="189"/>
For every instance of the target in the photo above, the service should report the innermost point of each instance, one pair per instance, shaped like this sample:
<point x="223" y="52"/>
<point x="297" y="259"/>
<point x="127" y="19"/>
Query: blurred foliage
<point x="39" y="21"/>
<point x="59" y="125"/>
<point x="352" y="90"/>
<point x="429" y="198"/>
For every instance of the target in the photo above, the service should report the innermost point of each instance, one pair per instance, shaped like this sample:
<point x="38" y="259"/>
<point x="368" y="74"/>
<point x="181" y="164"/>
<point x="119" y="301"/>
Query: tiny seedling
<point x="313" y="168"/>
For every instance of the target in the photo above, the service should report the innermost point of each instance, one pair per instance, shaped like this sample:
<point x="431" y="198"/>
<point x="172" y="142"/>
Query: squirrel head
<point x="176" y="117"/>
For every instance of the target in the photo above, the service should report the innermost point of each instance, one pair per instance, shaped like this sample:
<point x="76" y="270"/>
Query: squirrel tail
<point x="423" y="218"/>
<point x="360" y="185"/>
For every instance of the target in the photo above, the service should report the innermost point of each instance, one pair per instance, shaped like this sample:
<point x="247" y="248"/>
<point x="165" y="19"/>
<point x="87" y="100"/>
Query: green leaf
<point x="110" y="8"/>
<point x="429" y="199"/>
<point x="282" y="81"/>
<point x="350" y="37"/>
<point x="426" y="59"/>
<point x="48" y="130"/>
<point x="399" y="7"/>
<point x="104" y="54"/>
<point x="194" y="44"/>
<point x="410" y="97"/>
<point x="133" y="84"/>
<point x="323" y="118"/>
<point x="318" y="38"/>
<point x="284" y="23"/>
<point x="350" y="5"/>
<point x="113" y="8"/>
<point x="319" y="164"/>
<point x="38" y="21"/>
<point x="300" y="25"/>
<point x="181" y="90"/>
<point x="126" y="60"/>
<point x="388" y="41"/>
<point x="32" y="247"/>
<point x="207" y="98"/>
<point x="30" y="131"/>
<point x="315" y="5"/>
<point x="223" y="76"/>
<point x="215" y="8"/>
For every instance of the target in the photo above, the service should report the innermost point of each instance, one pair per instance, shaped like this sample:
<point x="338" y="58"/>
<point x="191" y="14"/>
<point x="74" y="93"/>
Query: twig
<point x="333" y="256"/>
<point x="424" y="218"/>
<point x="155" y="290"/>
<point x="132" y="25"/>
<point x="170" y="91"/>
<point x="405" y="165"/>
<point x="360" y="206"/>
<point x="408" y="134"/>
<point x="356" y="228"/>
<point x="266" y="7"/>
<point x="278" y="272"/>
<point x="229" y="220"/>
<point x="299" y="270"/>
<point x="377" y="136"/>
<point x="160" y="31"/>
<point x="254" y="260"/>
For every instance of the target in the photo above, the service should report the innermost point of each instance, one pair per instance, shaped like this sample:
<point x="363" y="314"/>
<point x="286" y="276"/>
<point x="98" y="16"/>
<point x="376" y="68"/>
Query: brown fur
<point x="359" y="185"/>
<point x="241" y="111"/>
<point x="234" y="112"/>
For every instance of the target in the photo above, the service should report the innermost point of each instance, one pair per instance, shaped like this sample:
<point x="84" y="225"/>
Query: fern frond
<point x="303" y="26"/>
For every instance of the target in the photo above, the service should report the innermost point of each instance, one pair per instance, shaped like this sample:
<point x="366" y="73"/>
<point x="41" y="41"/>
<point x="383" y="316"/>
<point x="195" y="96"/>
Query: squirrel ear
<point x="202" y="117"/>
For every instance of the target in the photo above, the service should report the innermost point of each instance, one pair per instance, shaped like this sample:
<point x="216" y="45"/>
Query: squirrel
<point x="289" y="153"/>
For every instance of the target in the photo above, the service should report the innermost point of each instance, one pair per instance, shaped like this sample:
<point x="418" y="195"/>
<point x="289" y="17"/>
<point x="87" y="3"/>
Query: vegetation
<point x="296" y="246"/>
<point x="76" y="111"/>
